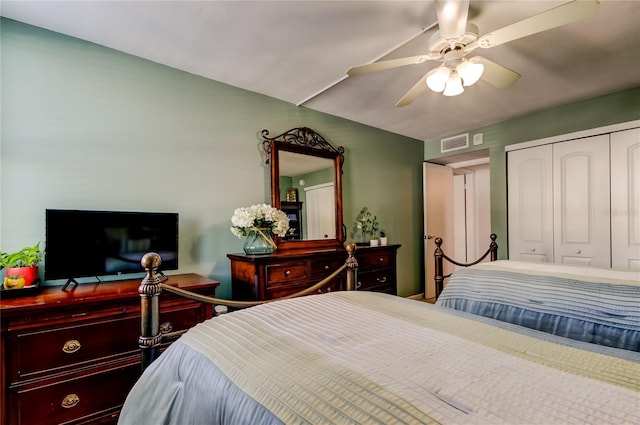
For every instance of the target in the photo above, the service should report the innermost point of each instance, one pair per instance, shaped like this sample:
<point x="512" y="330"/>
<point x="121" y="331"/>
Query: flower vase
<point x="259" y="241"/>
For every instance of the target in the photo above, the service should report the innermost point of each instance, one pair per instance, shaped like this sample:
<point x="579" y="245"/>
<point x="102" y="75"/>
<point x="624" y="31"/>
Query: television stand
<point x="82" y="345"/>
<point x="69" y="282"/>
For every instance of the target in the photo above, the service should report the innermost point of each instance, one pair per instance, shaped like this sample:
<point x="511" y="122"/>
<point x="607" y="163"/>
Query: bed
<point x="355" y="357"/>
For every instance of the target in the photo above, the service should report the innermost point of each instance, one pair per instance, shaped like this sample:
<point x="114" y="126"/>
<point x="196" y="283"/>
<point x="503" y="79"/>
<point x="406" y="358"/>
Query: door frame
<point x="441" y="213"/>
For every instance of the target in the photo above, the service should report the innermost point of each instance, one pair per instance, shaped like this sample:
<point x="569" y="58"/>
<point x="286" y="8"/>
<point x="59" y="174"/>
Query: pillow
<point x="600" y="306"/>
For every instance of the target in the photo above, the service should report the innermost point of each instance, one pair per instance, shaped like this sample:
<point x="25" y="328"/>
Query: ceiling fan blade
<point x="417" y="89"/>
<point x="496" y="75"/>
<point x="452" y="18"/>
<point x="552" y="18"/>
<point x="393" y="63"/>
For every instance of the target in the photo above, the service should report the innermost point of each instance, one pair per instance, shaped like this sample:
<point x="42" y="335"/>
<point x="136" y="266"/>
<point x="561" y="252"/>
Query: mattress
<point x="372" y="358"/>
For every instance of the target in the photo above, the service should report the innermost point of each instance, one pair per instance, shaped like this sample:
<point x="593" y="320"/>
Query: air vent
<point x="455" y="142"/>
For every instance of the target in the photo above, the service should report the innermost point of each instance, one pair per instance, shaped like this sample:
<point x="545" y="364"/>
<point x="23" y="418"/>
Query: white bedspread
<point x="362" y="357"/>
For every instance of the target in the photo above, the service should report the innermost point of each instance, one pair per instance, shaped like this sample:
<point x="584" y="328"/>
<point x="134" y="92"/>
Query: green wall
<point x="86" y="127"/>
<point x="598" y="112"/>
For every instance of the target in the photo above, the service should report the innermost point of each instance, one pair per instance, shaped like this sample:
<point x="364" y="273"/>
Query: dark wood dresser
<point x="72" y="356"/>
<point x="262" y="277"/>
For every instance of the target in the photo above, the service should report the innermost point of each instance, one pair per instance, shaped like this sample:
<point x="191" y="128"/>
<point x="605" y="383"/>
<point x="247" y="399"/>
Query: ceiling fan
<point x="457" y="38"/>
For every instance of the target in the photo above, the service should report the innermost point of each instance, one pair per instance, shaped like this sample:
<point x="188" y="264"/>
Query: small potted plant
<point x="21" y="267"/>
<point x="383" y="237"/>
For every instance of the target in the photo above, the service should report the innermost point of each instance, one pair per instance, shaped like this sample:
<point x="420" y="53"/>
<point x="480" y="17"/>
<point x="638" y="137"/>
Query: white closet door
<point x="321" y="212"/>
<point x="625" y="200"/>
<point x="530" y="204"/>
<point x="582" y="203"/>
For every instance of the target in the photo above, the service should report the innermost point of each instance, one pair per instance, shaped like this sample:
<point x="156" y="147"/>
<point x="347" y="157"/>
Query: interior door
<point x="472" y="211"/>
<point x="480" y="216"/>
<point x="438" y="218"/>
<point x="321" y="223"/>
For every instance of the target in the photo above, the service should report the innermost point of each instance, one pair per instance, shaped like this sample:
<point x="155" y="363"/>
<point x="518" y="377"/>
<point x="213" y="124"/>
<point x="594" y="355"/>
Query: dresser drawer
<point x="285" y="290"/>
<point x="46" y="349"/>
<point x="380" y="281"/>
<point x="375" y="261"/>
<point x="279" y="291"/>
<point x="322" y="268"/>
<point x="285" y="274"/>
<point x="43" y="350"/>
<point x="73" y="399"/>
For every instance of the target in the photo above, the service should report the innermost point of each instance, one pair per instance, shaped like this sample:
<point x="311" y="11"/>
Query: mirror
<point x="306" y="183"/>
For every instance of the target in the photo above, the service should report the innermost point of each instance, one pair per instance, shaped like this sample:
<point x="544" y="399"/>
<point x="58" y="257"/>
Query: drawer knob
<point x="326" y="267"/>
<point x="287" y="273"/>
<point x="166" y="327"/>
<point x="71" y="346"/>
<point x="578" y="251"/>
<point x="381" y="259"/>
<point x="70" y="400"/>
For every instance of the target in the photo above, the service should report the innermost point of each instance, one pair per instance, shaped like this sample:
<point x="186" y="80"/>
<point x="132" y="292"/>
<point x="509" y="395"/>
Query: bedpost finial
<point x="151" y="260"/>
<point x="493" y="237"/>
<point x="438" y="241"/>
<point x="351" y="248"/>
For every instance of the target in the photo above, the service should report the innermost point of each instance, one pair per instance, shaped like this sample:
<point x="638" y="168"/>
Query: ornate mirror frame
<point x="305" y="141"/>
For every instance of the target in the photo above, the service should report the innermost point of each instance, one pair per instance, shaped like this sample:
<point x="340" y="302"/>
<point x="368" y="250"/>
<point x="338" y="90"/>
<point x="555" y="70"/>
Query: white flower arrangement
<point x="259" y="217"/>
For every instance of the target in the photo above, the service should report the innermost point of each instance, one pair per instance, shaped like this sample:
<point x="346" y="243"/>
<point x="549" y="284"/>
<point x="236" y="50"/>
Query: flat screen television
<point x="83" y="243"/>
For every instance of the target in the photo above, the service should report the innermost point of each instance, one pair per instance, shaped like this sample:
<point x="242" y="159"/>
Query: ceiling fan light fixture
<point x="454" y="85"/>
<point x="470" y="71"/>
<point x="437" y="78"/>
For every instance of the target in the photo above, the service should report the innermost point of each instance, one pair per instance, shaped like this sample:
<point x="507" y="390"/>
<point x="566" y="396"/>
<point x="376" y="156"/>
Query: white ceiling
<point x="299" y="51"/>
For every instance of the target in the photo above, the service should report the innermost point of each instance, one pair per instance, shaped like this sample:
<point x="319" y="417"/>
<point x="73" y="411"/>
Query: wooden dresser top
<point x="45" y="297"/>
